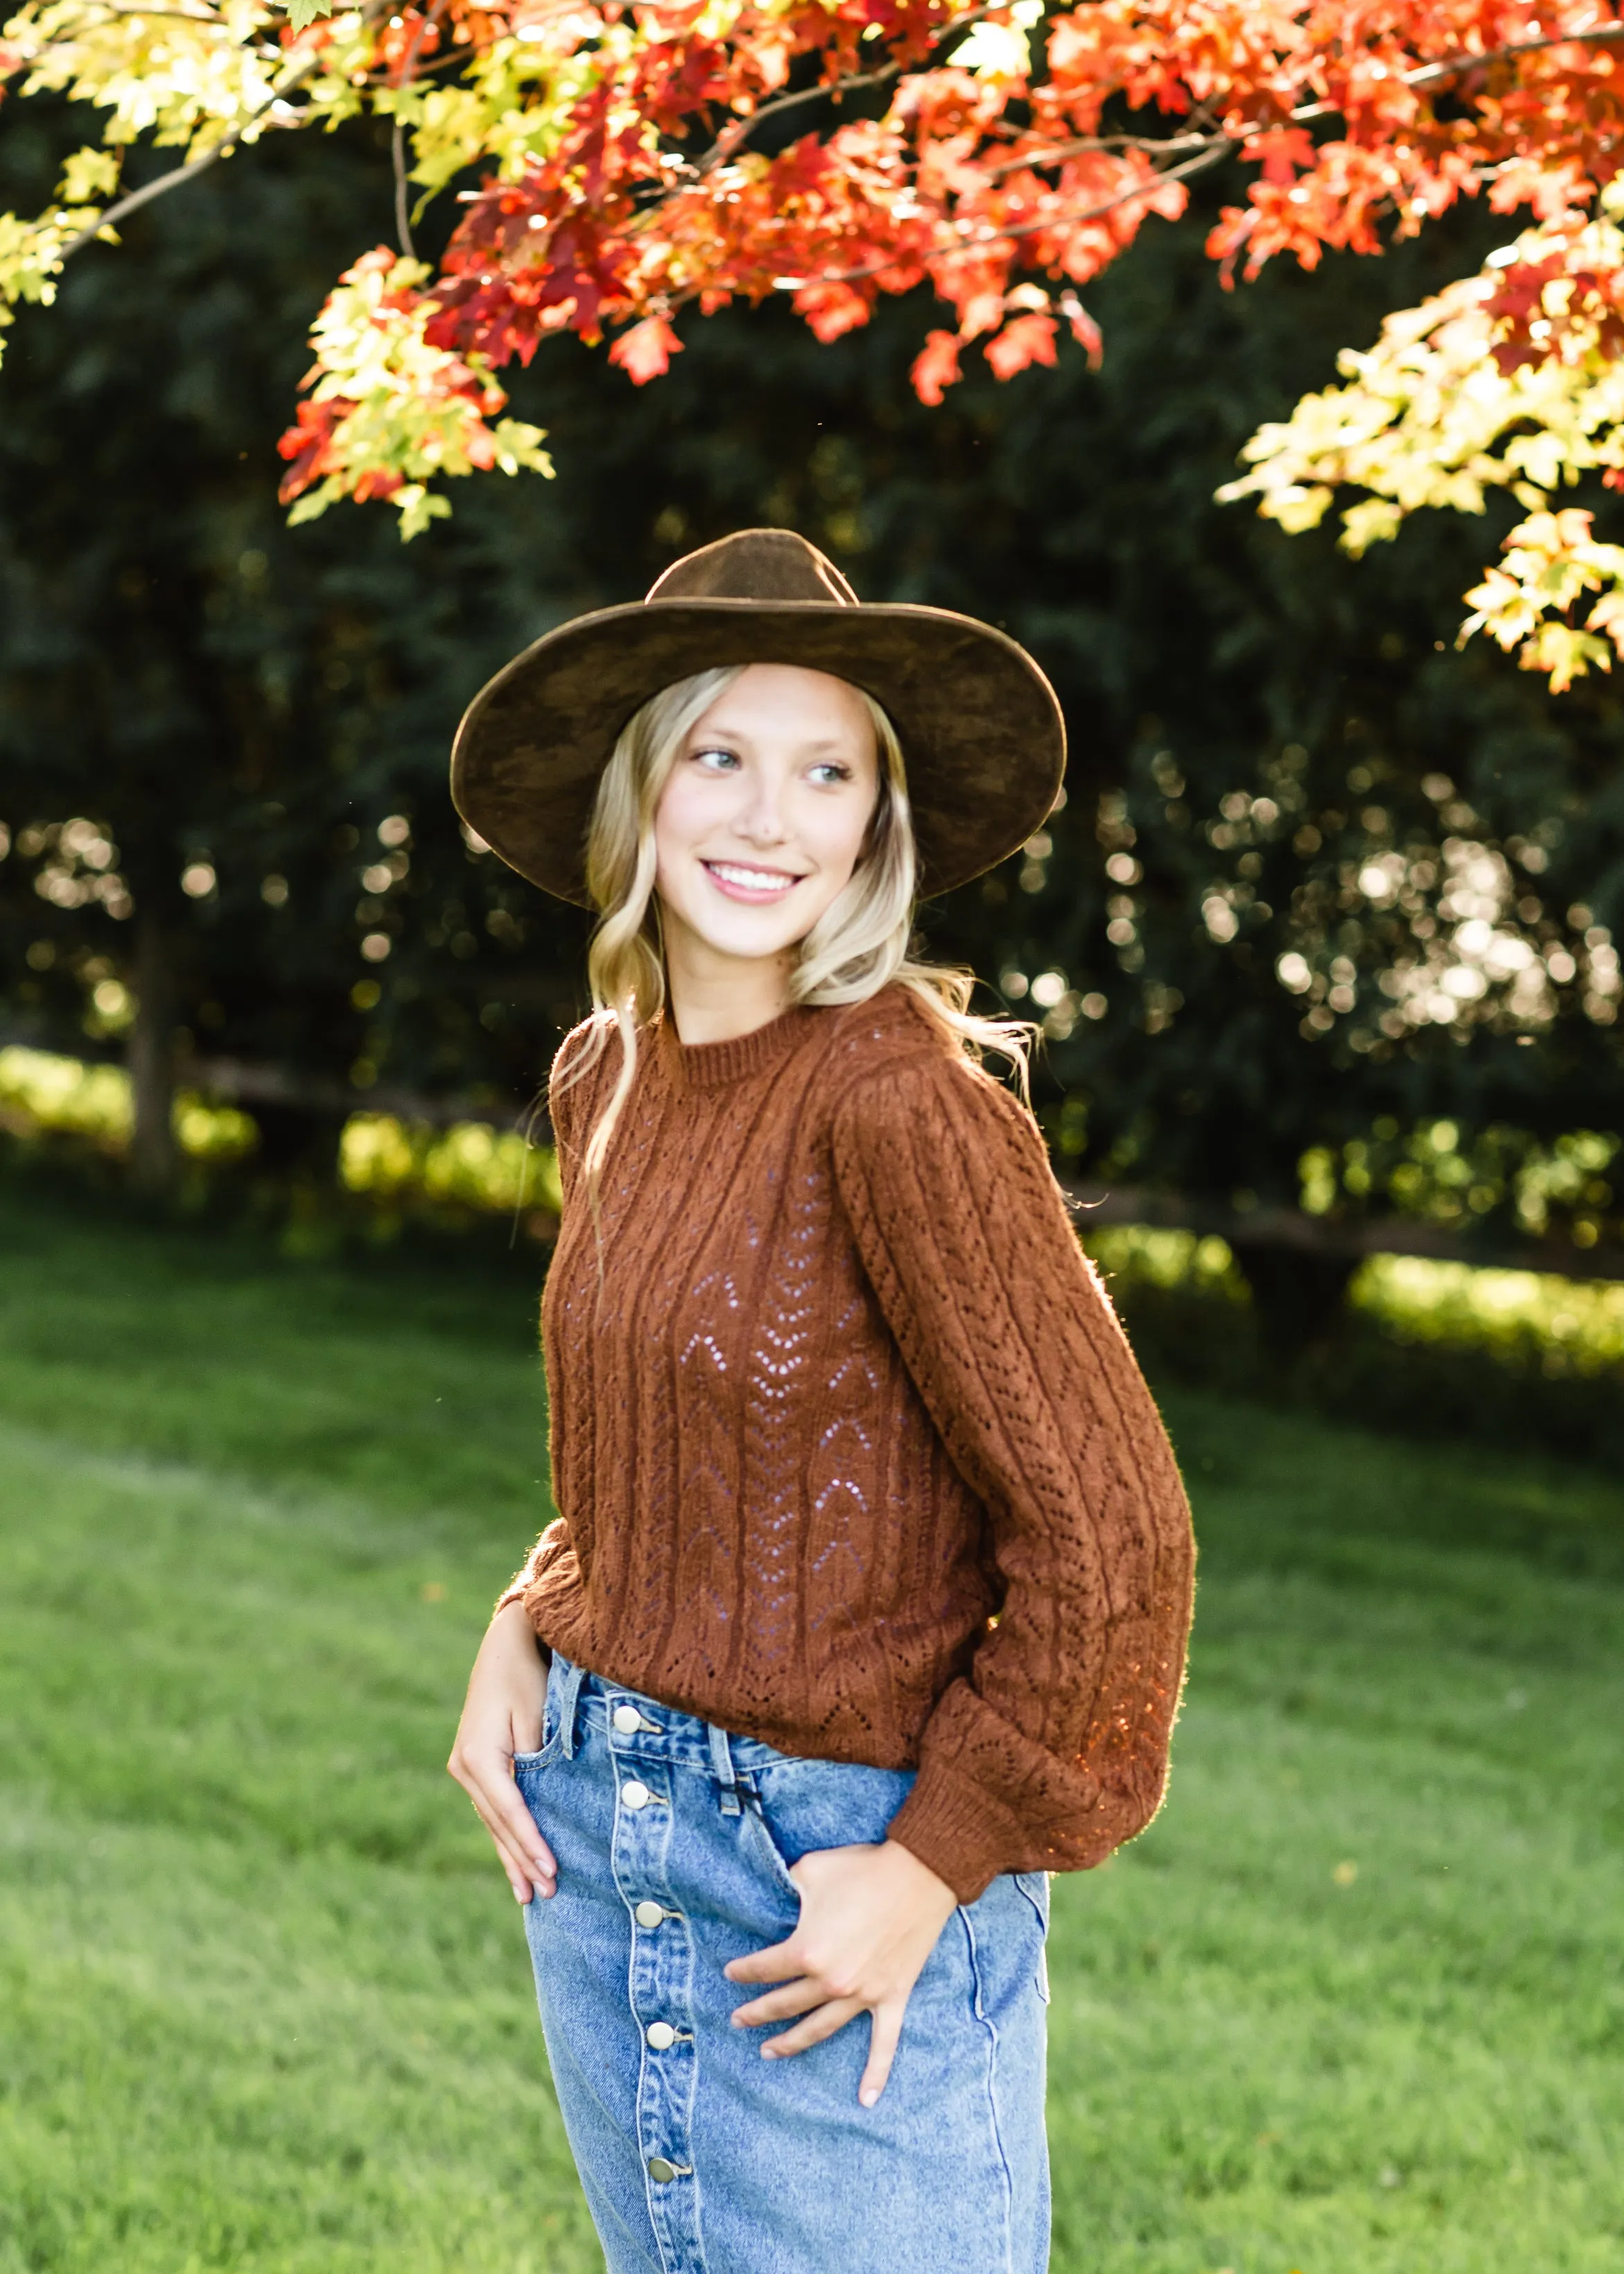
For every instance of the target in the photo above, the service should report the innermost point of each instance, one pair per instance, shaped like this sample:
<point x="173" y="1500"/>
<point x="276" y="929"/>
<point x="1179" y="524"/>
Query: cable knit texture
<point x="850" y="1452"/>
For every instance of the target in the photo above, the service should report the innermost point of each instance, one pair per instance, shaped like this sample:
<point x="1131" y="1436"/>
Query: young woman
<point x="866" y="1605"/>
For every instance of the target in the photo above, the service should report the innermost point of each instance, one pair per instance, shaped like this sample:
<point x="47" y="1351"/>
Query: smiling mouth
<point x="740" y="882"/>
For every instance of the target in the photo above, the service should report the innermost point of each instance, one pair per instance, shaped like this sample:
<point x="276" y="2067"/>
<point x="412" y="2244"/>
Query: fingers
<point x="825" y="2019"/>
<point x="532" y="1858"/>
<point x="525" y="1856"/>
<point x="523" y="1877"/>
<point x="883" y="2040"/>
<point x="781" y="1961"/>
<point x="516" y="1826"/>
<point x="488" y="1780"/>
<point x="507" y="1820"/>
<point x="823" y="2022"/>
<point x="529" y="1867"/>
<point x="781" y="2005"/>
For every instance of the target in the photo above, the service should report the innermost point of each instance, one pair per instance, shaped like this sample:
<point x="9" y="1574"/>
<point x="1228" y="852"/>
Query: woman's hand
<point x="870" y="1916"/>
<point x="502" y="1716"/>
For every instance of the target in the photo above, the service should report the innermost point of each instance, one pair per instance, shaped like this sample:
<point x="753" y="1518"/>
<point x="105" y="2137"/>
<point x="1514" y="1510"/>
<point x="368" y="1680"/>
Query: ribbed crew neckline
<point x="713" y="1066"/>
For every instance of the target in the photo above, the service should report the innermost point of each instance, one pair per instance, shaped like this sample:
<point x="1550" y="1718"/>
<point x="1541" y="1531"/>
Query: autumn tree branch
<point x="288" y="84"/>
<point x="992" y="234"/>
<point x="1425" y="74"/>
<point x="734" y="138"/>
<point x="402" y="215"/>
<point x="1208" y="148"/>
<point x="1221" y="140"/>
<point x="1454" y="66"/>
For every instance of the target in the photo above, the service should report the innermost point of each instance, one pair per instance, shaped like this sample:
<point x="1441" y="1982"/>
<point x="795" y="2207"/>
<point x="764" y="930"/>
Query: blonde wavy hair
<point x="862" y="941"/>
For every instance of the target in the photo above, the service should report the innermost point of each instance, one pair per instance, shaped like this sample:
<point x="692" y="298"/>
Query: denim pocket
<point x="800" y="1805"/>
<point x="759" y="1832"/>
<point x="527" y="1764"/>
<point x="551" y="1735"/>
<point x="1034" y="1886"/>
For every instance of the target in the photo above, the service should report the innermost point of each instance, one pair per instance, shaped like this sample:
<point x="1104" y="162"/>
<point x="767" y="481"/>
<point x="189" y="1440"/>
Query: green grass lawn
<point x="1355" y="2003"/>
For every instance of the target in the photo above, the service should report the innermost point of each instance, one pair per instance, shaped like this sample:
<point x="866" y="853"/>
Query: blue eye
<point x="716" y="761"/>
<point x="830" y="771"/>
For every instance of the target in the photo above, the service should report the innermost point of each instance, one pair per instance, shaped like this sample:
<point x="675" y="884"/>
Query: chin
<point x="751" y="942"/>
<point x="730" y="927"/>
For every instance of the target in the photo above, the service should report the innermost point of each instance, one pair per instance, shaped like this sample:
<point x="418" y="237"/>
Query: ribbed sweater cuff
<point x="955" y="1827"/>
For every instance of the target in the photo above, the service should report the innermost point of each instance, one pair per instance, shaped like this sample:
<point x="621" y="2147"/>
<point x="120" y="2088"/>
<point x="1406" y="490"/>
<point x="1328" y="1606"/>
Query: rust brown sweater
<point x="849" y="1451"/>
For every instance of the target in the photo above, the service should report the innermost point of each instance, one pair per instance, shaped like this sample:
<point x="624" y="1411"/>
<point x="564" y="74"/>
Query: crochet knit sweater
<point x="849" y="1451"/>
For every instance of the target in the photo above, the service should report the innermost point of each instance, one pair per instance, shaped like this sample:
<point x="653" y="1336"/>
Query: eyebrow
<point x="738" y="735"/>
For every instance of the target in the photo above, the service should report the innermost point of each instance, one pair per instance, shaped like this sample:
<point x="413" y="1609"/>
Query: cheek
<point x="680" y="817"/>
<point x="837" y="834"/>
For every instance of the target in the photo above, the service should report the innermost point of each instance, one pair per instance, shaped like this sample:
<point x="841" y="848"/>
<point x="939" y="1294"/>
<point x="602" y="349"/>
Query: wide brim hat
<point x="982" y="737"/>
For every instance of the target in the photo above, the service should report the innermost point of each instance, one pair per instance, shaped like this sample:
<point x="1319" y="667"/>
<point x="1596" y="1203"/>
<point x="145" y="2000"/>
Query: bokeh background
<point x="1322" y="943"/>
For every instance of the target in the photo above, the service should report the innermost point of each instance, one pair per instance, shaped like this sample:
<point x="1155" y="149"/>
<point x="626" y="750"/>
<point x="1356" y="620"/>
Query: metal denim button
<point x="627" y="1718"/>
<point x="635" y="1794"/>
<point x="662" y="2037"/>
<point x="650" y="1914"/>
<point x="660" y="2170"/>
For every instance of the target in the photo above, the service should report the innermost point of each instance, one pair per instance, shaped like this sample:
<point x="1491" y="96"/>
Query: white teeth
<point x="750" y="880"/>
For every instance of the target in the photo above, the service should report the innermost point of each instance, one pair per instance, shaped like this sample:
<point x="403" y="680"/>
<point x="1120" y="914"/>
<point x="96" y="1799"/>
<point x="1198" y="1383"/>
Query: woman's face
<point x="764" y="816"/>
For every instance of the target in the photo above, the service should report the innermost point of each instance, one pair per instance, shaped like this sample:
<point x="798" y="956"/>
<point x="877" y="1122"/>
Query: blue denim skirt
<point x="673" y="1840"/>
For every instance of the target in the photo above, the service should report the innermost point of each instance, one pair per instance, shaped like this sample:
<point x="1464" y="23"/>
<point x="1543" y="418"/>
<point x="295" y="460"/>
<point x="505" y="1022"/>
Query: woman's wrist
<point x="927" y="1884"/>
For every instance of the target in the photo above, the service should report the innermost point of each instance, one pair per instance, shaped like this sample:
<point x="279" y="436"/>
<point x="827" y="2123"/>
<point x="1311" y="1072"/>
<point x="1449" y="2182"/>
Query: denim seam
<point x="674" y="2224"/>
<point x="991" y="2028"/>
<point x="568" y="1705"/>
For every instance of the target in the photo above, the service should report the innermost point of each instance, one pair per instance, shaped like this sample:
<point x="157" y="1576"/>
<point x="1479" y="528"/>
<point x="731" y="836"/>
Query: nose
<point x="762" y="823"/>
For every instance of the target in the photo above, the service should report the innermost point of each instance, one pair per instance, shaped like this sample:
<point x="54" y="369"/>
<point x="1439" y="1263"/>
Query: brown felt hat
<point x="981" y="733"/>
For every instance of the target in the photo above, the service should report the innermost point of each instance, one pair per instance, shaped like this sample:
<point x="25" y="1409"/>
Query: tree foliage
<point x="621" y="162"/>
<point x="1508" y="380"/>
<point x="1321" y="882"/>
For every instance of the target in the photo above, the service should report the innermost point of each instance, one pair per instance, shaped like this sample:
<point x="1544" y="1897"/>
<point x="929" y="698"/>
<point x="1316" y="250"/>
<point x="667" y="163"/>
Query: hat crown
<point x="756" y="564"/>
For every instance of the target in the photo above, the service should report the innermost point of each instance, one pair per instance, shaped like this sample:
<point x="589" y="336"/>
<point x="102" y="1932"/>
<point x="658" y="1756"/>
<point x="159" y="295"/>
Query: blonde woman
<point x="866" y="1605"/>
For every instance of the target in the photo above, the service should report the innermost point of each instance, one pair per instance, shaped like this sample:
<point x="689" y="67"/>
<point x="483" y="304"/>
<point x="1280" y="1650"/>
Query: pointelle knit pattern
<point x="850" y="1452"/>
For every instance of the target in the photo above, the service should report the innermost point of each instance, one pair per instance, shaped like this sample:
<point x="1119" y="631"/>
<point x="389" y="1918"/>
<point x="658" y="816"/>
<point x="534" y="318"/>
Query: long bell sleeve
<point x="1051" y="1749"/>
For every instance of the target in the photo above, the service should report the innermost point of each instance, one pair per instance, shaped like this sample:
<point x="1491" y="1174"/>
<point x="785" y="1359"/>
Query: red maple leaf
<point x="645" y="352"/>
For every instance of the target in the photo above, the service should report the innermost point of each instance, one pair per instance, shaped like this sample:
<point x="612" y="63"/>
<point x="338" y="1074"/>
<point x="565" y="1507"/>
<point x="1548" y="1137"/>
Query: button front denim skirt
<point x="673" y="1842"/>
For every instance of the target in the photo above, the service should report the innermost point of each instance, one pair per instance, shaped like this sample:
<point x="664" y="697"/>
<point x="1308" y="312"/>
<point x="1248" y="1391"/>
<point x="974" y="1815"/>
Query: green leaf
<point x="301" y="12"/>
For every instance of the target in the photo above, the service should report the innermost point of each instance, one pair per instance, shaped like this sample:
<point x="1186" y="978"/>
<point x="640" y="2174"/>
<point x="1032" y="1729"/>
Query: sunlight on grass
<point x="470" y="1164"/>
<point x="1146" y="1255"/>
<point x="40" y="1091"/>
<point x="1562" y="1325"/>
<point x="1573" y="1325"/>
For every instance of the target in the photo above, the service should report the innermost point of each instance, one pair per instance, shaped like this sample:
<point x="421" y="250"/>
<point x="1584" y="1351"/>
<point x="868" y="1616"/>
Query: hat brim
<point x="982" y="732"/>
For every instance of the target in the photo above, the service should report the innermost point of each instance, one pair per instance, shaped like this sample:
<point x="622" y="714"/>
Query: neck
<point x="715" y="998"/>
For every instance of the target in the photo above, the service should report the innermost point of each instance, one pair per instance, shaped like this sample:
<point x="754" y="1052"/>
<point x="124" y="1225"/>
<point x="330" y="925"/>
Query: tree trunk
<point x="153" y="1157"/>
<point x="1297" y="1294"/>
